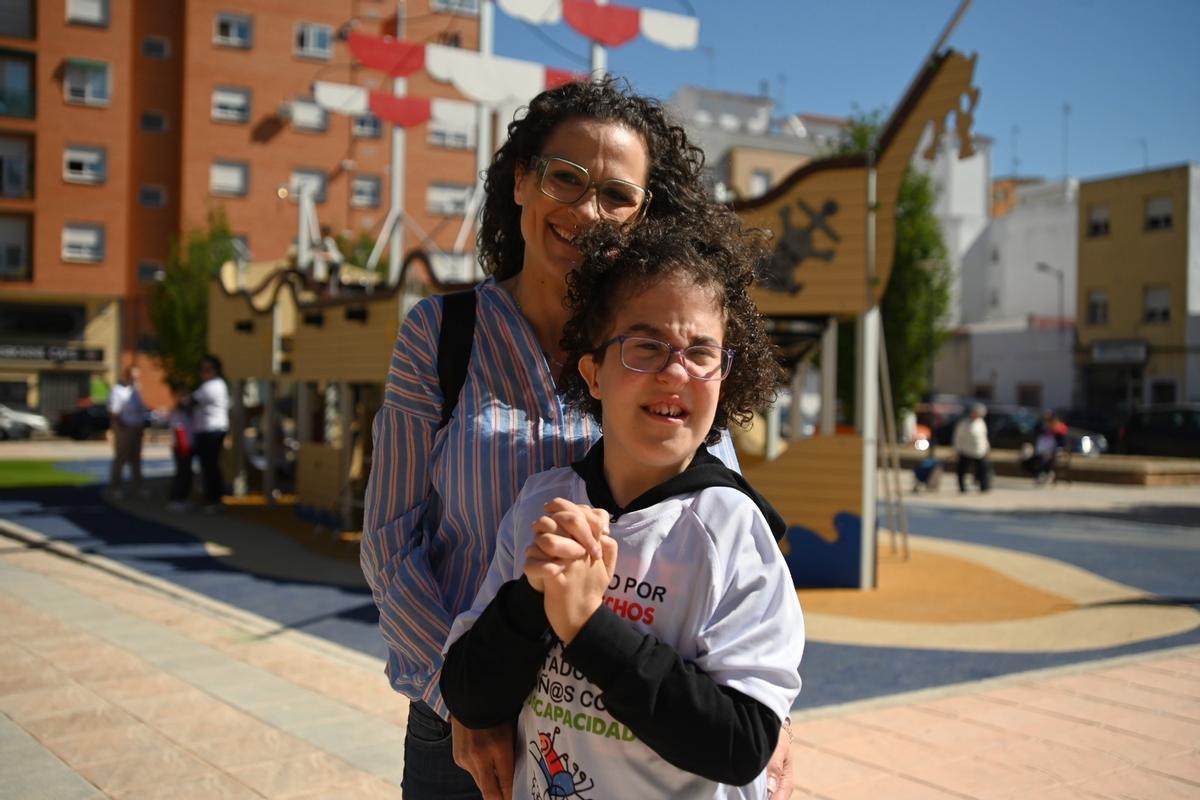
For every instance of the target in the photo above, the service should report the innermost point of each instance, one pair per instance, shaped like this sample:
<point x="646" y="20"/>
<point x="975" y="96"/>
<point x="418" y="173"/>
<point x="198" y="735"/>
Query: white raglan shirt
<point x="702" y="572"/>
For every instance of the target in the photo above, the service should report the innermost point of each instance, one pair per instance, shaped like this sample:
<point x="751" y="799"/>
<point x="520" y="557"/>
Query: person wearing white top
<point x="972" y="447"/>
<point x="127" y="414"/>
<point x="210" y="423"/>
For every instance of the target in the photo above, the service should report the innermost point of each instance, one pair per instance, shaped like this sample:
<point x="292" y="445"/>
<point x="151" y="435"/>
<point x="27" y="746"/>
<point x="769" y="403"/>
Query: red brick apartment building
<point x="124" y="122"/>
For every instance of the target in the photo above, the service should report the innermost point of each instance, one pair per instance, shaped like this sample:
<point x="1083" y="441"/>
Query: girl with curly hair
<point x="581" y="153"/>
<point x="646" y="574"/>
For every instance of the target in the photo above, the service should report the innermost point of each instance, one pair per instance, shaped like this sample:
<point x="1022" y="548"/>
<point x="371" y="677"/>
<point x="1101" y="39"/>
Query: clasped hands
<point x="571" y="562"/>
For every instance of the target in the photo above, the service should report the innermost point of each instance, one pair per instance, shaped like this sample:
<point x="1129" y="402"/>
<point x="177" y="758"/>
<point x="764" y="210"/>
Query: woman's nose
<point x="587" y="208"/>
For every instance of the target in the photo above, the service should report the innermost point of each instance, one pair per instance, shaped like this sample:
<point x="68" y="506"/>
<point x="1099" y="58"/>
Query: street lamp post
<point x="1042" y="266"/>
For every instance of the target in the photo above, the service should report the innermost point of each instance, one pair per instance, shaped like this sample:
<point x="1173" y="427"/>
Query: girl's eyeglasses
<point x="704" y="362"/>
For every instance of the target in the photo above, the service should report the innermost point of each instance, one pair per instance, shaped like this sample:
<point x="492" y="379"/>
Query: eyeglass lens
<point x="706" y="362"/>
<point x="567" y="182"/>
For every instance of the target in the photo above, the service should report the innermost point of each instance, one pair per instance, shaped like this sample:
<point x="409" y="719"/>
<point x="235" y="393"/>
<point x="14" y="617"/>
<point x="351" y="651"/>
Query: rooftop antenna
<point x="1066" y="112"/>
<point x="1145" y="154"/>
<point x="1016" y="160"/>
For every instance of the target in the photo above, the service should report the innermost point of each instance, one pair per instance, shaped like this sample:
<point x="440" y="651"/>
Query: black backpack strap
<point x="454" y="348"/>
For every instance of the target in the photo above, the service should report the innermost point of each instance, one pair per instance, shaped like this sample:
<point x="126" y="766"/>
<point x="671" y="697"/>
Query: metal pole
<point x="829" y="358"/>
<point x="891" y="447"/>
<point x="868" y="391"/>
<point x="599" y="56"/>
<point x="400" y="88"/>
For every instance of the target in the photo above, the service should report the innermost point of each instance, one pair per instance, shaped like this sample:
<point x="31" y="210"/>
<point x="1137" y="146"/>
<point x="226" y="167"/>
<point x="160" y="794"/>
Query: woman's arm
<point x="394" y="555"/>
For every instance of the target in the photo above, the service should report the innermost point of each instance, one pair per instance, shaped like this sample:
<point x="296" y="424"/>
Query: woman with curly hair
<point x="686" y="625"/>
<point x="582" y="153"/>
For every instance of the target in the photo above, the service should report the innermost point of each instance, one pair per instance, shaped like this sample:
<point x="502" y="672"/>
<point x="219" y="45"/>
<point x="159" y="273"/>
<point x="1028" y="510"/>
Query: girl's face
<point x="654" y="422"/>
<point x="607" y="150"/>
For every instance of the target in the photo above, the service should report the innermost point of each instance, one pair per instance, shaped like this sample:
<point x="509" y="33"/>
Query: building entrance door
<point x="61" y="391"/>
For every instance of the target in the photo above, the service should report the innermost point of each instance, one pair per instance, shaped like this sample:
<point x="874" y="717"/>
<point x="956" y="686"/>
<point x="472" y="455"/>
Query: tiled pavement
<point x="114" y="684"/>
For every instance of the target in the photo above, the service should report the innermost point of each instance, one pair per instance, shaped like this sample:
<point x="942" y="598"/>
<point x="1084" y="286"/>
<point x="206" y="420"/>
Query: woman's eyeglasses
<point x="705" y="362"/>
<point x="567" y="182"/>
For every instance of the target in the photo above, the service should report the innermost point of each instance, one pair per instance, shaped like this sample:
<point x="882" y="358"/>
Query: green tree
<point x="179" y="304"/>
<point x="917" y="298"/>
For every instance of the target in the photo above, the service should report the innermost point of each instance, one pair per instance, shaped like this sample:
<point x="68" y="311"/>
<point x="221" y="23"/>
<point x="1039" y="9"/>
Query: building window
<point x="17" y="19"/>
<point x="16" y="86"/>
<point x="154" y="122"/>
<point x="365" y="191"/>
<point x="157" y="47"/>
<point x="1097" y="307"/>
<point x="88" y="12"/>
<point x="1097" y="221"/>
<point x="84" y="164"/>
<point x="983" y="391"/>
<point x="1156" y="305"/>
<point x="152" y="196"/>
<point x="311" y="180"/>
<point x="86" y="82"/>
<point x="468" y="8"/>
<point x="1158" y="214"/>
<point x="447" y="199"/>
<point x="367" y="126"/>
<point x="15" y="263"/>
<point x="83" y="242"/>
<point x="233" y="30"/>
<point x="230" y="104"/>
<point x="452" y="125"/>
<point x="1029" y="394"/>
<point x="760" y="182"/>
<point x="150" y="271"/>
<point x="15" y="165"/>
<point x="229" y="178"/>
<point x="314" y="41"/>
<point x="308" y="116"/>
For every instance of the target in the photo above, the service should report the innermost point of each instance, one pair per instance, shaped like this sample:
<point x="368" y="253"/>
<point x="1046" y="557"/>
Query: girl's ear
<point x="590" y="371"/>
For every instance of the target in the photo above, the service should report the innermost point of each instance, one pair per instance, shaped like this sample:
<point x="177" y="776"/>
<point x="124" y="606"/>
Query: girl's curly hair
<point x="712" y="251"/>
<point x="675" y="163"/>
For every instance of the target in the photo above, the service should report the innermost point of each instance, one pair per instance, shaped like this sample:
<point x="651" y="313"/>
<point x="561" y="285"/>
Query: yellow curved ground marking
<point x="973" y="593"/>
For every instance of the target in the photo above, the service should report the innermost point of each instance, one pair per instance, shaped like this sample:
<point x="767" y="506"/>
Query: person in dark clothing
<point x="638" y="617"/>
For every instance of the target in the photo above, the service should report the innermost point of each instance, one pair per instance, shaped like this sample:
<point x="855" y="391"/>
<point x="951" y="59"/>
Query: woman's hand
<point x="486" y="753"/>
<point x="779" y="768"/>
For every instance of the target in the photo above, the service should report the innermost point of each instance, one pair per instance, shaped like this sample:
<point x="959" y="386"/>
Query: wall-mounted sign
<point x="50" y="352"/>
<point x="1123" y="352"/>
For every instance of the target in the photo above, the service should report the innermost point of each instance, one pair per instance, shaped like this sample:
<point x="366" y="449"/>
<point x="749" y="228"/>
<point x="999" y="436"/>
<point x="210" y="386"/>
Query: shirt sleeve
<point x="496" y="648"/>
<point x="395" y="551"/>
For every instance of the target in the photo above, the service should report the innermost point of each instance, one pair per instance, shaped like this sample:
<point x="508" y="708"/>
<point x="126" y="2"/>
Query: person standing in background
<point x="971" y="447"/>
<point x="127" y="414"/>
<point x="210" y="423"/>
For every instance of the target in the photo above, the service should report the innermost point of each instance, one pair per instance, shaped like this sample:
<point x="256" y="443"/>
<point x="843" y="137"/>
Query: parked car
<point x="1163" y="430"/>
<point x="17" y="424"/>
<point x="1102" y="421"/>
<point x="1010" y="427"/>
<point x="87" y="421"/>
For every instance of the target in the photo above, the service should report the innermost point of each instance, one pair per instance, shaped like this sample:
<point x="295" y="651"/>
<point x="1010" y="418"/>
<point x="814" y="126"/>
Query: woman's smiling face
<point x="607" y="150"/>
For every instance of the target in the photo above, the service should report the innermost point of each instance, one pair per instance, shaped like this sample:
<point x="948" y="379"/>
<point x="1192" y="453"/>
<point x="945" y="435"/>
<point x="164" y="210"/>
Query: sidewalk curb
<point x="247" y="621"/>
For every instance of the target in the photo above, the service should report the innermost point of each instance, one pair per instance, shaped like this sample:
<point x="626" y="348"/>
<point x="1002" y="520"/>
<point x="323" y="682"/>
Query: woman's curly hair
<point x="675" y="163"/>
<point x="712" y="251"/>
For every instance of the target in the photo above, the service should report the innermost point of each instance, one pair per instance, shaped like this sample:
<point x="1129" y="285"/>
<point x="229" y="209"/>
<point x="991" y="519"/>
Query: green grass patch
<point x="18" y="474"/>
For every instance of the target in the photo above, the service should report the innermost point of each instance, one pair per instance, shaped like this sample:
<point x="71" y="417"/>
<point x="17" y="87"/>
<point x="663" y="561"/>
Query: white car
<point x="16" y="424"/>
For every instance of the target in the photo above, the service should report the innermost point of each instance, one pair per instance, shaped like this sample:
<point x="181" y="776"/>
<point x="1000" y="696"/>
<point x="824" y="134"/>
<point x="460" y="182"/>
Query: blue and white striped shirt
<point x="435" y="498"/>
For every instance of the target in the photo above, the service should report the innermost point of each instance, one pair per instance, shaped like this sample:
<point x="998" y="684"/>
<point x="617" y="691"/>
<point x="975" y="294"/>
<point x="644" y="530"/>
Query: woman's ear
<point x="590" y="371"/>
<point x="518" y="182"/>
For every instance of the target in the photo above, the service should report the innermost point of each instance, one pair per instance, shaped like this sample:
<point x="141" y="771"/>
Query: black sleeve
<point x="680" y="712"/>
<point x="493" y="667"/>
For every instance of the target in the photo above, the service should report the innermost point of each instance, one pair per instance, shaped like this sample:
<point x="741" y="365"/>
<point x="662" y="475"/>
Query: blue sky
<point x="1129" y="69"/>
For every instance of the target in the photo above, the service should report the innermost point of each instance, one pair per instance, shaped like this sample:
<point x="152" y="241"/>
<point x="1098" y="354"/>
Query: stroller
<point x="928" y="474"/>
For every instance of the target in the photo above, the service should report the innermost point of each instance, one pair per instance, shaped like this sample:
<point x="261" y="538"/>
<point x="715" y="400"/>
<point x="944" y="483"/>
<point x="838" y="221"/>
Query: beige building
<point x="124" y="122"/>
<point x="1139" y="287"/>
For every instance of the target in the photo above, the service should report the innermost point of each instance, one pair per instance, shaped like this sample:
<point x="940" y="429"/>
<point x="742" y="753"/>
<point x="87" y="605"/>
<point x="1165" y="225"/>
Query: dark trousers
<point x="181" y="482"/>
<point x="208" y="450"/>
<point x="429" y="769"/>
<point x="981" y="468"/>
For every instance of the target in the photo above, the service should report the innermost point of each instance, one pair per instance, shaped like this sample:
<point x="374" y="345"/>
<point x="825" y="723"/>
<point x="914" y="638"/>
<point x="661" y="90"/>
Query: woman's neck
<point x="542" y="305"/>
